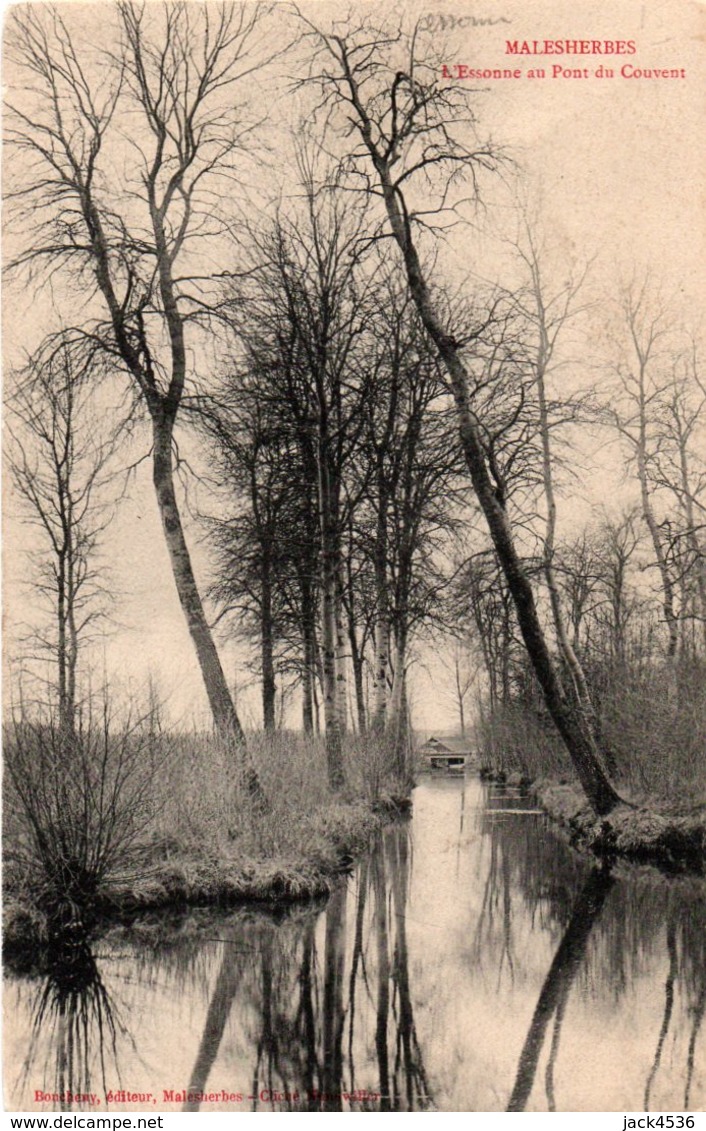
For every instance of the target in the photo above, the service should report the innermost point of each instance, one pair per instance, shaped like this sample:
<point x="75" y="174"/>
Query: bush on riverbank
<point x="118" y="820"/>
<point x="652" y="726"/>
<point x="79" y="808"/>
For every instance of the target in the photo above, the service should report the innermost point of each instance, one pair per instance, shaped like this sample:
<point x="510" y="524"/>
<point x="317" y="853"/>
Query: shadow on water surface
<point x="471" y="948"/>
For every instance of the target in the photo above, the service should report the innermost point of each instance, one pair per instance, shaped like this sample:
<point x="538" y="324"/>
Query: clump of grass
<point x="205" y="809"/>
<point x="202" y="802"/>
<point x="371" y="768"/>
<point x="212" y="847"/>
<point x="346" y="828"/>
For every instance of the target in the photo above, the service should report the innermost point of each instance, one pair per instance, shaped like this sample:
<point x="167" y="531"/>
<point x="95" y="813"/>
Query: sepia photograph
<point x="354" y="558"/>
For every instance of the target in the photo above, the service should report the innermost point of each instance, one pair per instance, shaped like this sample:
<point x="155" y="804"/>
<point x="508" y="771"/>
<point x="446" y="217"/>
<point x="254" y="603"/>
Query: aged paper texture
<point x="355" y="557"/>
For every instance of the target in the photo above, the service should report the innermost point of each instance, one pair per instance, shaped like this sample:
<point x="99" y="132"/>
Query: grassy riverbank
<point x="162" y="821"/>
<point x="673" y="841"/>
<point x="671" y="838"/>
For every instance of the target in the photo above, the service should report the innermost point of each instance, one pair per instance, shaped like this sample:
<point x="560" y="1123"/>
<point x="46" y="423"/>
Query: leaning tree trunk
<point x="225" y="717"/>
<point x="163" y="409"/>
<point x="578" y="737"/>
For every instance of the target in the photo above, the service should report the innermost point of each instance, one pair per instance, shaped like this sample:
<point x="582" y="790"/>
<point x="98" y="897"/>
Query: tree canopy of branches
<point x="333" y="413"/>
<point x="656" y="403"/>
<point x="408" y="134"/>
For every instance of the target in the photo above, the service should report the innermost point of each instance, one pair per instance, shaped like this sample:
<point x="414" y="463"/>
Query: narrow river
<point x="472" y="963"/>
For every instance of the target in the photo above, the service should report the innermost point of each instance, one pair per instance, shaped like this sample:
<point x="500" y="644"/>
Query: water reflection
<point x="557" y="986"/>
<point x="312" y="997"/>
<point x="74" y="1026"/>
<point x="469" y="964"/>
<point x="613" y="930"/>
<point x="224" y="992"/>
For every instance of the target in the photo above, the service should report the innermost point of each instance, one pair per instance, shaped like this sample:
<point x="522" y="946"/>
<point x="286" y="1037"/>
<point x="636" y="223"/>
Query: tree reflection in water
<point x="409" y="1062"/>
<point x="685" y="962"/>
<point x="668" y="1008"/>
<point x="322" y="1005"/>
<point x="325" y="1008"/>
<point x="699" y="1010"/>
<point x="559" y="980"/>
<point x="317" y="1009"/>
<point x="219" y="1009"/>
<point x="628" y="921"/>
<point x="74" y="1028"/>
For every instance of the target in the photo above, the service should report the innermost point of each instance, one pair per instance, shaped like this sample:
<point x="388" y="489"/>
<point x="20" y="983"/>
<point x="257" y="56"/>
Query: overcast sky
<point x="620" y="168"/>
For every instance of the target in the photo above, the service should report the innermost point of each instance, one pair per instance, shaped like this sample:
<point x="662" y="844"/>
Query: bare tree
<point x="410" y="451"/>
<point x="255" y="462"/>
<point x="577" y="569"/>
<point x="59" y="466"/>
<point x="462" y="665"/>
<point x="548" y="313"/>
<point x="483" y="608"/>
<point x="618" y="541"/>
<point x="407" y="134"/>
<point x="642" y="381"/>
<point x="678" y="467"/>
<point x="119" y="154"/>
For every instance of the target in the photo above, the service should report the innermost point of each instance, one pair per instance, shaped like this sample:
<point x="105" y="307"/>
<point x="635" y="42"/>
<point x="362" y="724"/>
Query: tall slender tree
<point x="300" y="314"/>
<point x="59" y="464"/>
<point x="119" y="153"/>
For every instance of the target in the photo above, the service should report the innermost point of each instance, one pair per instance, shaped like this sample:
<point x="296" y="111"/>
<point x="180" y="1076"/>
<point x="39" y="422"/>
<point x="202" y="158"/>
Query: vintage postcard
<point x="354" y="557"/>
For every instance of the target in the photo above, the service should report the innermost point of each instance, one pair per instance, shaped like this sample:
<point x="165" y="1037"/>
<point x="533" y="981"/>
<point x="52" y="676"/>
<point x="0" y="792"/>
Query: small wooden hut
<point x="448" y="755"/>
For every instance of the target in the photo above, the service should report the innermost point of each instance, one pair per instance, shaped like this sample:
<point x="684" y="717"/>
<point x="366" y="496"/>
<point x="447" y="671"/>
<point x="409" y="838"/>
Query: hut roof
<point x="446" y="745"/>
